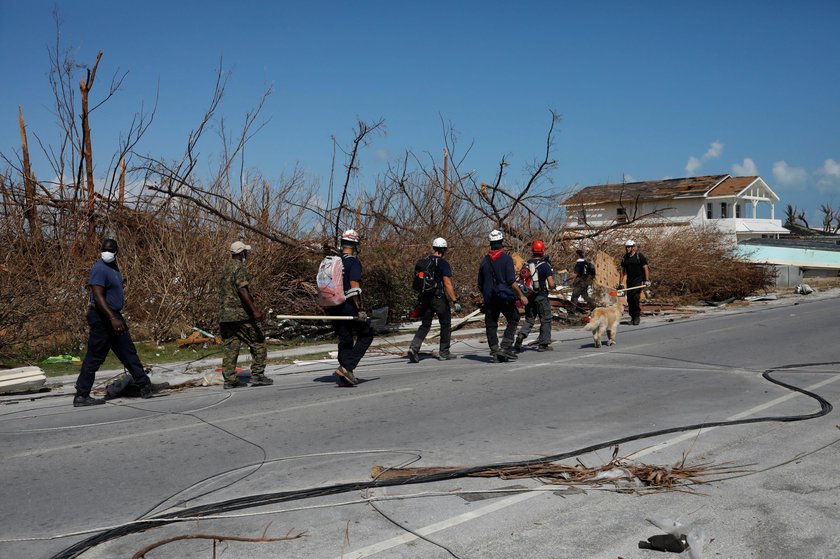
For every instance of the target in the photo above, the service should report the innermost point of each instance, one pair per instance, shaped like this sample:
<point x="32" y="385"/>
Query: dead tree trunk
<point x="85" y="87"/>
<point x="31" y="210"/>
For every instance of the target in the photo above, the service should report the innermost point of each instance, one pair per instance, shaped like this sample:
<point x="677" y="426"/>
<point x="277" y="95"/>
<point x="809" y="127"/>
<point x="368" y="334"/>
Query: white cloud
<point x="829" y="176"/>
<point x="382" y="155"/>
<point x="714" y="150"/>
<point x="694" y="163"/>
<point x="746" y="169"/>
<point x="789" y="176"/>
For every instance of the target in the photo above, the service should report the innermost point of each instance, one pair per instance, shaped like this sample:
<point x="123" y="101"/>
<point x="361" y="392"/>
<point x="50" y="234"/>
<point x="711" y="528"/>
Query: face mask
<point x="108" y="257"/>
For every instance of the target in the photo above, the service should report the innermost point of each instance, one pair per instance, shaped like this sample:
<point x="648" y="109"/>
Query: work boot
<point x="413" y="355"/>
<point x="444" y="356"/>
<point x="261" y="380"/>
<point x="346" y="376"/>
<point x="496" y="356"/>
<point x="509" y="353"/>
<point x="81" y="400"/>
<point x="517" y="345"/>
<point x="146" y="391"/>
<point x="234" y="384"/>
<point x="635" y="321"/>
<point x="545" y="347"/>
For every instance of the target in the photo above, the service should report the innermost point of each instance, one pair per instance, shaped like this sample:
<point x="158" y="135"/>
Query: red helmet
<point x="538" y="247"/>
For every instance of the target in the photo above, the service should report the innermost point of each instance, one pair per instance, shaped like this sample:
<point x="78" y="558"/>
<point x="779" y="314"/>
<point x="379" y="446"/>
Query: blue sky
<point x="646" y="89"/>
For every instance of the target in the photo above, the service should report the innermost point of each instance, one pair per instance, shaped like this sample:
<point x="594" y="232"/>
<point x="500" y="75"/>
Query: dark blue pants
<point x="431" y="305"/>
<point x="101" y="340"/>
<point x="354" y="337"/>
<point x="492" y="310"/>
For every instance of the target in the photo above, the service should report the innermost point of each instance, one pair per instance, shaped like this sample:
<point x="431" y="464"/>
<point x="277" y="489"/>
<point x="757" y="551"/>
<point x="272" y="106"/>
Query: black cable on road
<point x="285" y="496"/>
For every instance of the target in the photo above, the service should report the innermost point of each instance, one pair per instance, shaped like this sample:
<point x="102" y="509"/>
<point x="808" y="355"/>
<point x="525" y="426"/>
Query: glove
<point x="362" y="316"/>
<point x="647" y="283"/>
<point x="620" y="286"/>
<point x="456" y="306"/>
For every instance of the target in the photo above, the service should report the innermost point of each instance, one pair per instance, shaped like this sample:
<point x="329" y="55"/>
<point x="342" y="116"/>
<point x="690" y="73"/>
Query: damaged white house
<point x="743" y="207"/>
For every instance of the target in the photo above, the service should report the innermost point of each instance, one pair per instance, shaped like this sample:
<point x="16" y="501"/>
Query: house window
<point x="581" y="217"/>
<point x="723" y="214"/>
<point x="738" y="211"/>
<point x="621" y="215"/>
<point x="709" y="210"/>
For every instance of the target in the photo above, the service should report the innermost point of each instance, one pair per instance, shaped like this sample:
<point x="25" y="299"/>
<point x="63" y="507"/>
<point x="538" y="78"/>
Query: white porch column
<point x="772" y="211"/>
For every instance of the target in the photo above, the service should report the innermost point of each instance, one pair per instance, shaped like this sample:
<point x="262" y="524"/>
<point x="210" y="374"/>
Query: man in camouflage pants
<point x="239" y="318"/>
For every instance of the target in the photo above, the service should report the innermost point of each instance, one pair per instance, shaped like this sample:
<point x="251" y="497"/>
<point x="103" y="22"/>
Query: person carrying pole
<point x="354" y="336"/>
<point x="634" y="266"/>
<point x="433" y="282"/>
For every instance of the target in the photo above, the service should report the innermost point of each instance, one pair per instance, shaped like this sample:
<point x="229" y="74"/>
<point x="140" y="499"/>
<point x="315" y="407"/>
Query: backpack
<point x="529" y="278"/>
<point x="331" y="282"/>
<point x="588" y="269"/>
<point x="424" y="275"/>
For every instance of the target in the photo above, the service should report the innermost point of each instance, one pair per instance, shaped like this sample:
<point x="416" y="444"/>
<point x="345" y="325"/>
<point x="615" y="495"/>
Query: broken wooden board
<point x="196" y="338"/>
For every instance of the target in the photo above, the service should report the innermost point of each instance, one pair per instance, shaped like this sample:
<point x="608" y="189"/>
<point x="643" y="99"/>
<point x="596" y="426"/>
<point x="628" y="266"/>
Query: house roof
<point x="667" y="189"/>
<point x="731" y="186"/>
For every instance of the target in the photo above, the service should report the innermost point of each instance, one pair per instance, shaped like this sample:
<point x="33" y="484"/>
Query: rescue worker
<point x="239" y="320"/>
<point x="541" y="281"/>
<point x="634" y="266"/>
<point x="354" y="336"/>
<point x="108" y="329"/>
<point x="436" y="302"/>
<point x="499" y="291"/>
<point x="581" y="281"/>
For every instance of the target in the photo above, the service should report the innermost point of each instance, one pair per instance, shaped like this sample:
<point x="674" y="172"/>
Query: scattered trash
<point x="665" y="542"/>
<point x="718" y="303"/>
<point x="123" y="386"/>
<point x="62" y="359"/>
<point x="692" y="538"/>
<point x="767" y="297"/>
<point x="804" y="289"/>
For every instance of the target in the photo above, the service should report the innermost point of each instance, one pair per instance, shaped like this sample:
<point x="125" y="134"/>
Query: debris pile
<point x="626" y="475"/>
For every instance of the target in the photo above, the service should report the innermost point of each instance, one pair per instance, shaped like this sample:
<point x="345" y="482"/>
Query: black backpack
<point x="588" y="269"/>
<point x="424" y="275"/>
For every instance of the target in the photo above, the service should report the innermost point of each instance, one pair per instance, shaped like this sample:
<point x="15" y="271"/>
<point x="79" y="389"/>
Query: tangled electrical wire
<point x="251" y="501"/>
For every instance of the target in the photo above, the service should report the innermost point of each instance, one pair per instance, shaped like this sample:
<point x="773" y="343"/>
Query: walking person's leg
<point x="230" y="352"/>
<point x="491" y="325"/>
<point x="123" y="347"/>
<point x="427" y="313"/>
<point x="530" y="319"/>
<point x="512" y="318"/>
<point x="252" y="334"/>
<point x="97" y="350"/>
<point x="544" y="310"/>
<point x="444" y="314"/>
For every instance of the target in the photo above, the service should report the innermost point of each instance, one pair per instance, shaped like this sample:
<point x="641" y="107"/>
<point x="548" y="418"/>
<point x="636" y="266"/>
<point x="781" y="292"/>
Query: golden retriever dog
<point x="605" y="319"/>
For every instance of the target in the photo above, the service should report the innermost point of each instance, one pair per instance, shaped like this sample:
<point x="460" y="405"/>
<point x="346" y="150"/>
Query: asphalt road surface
<point x="296" y="457"/>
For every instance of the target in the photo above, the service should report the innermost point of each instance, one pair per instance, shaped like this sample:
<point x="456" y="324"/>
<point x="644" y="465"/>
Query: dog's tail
<point x="593" y="323"/>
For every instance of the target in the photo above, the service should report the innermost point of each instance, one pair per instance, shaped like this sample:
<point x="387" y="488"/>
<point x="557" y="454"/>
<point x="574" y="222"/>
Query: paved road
<point x="69" y="472"/>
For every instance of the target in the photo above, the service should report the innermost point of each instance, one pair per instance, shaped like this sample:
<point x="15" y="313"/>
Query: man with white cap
<point x="433" y="282"/>
<point x="634" y="266"/>
<point x="238" y="320"/>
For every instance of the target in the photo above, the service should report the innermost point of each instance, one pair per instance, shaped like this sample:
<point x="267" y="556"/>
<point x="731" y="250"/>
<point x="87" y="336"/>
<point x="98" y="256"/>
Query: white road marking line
<point x="510" y="501"/>
<point x="437" y="526"/>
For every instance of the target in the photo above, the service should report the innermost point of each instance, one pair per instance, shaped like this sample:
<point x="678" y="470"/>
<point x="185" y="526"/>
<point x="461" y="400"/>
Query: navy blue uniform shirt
<point x="109" y="277"/>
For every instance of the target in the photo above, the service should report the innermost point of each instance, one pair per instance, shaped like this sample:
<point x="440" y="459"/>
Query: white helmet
<point x="496" y="235"/>
<point x="440" y="242"/>
<point x="629" y="243"/>
<point x="350" y="236"/>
